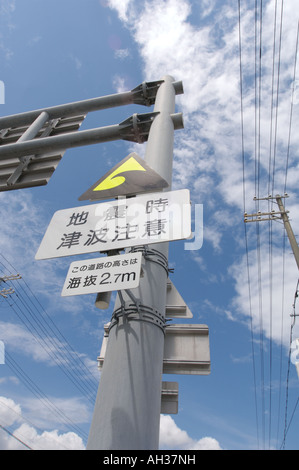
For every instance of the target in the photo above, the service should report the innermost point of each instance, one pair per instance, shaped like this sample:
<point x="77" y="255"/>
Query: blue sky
<point x="63" y="51"/>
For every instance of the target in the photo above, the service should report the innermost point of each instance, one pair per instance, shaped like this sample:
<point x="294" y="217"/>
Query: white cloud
<point x="122" y="53"/>
<point x="208" y="153"/>
<point x="272" y="293"/>
<point x="19" y="339"/>
<point x="76" y="61"/>
<point x="34" y="343"/>
<point x="7" y="7"/>
<point x="9" y="379"/>
<point x="24" y="227"/>
<point x="121" y="6"/>
<point x="34" y="40"/>
<point x="49" y="440"/>
<point x="74" y="408"/>
<point x="11" y="418"/>
<point x="206" y="58"/>
<point x="206" y="443"/>
<point x="9" y="411"/>
<point x="172" y="437"/>
<point x="119" y="83"/>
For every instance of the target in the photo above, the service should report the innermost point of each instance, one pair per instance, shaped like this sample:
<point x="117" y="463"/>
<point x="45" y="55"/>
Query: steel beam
<point x="134" y="129"/>
<point x="143" y="94"/>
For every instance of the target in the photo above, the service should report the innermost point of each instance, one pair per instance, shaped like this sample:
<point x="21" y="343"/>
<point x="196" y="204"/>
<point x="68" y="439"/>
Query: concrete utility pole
<point x="287" y="225"/>
<point x="282" y="214"/>
<point x="128" y="403"/>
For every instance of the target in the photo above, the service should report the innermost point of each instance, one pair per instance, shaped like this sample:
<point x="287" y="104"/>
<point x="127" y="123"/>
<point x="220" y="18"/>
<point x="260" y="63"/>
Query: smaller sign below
<point x="103" y="274"/>
<point x="187" y="350"/>
<point x="170" y="398"/>
<point x="175" y="305"/>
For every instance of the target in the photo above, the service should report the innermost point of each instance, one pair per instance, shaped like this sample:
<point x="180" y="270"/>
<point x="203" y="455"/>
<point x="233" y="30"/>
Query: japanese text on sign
<point x="103" y="274"/>
<point x="115" y="225"/>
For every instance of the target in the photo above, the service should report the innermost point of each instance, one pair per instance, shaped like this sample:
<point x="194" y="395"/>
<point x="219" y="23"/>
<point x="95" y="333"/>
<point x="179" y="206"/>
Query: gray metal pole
<point x="287" y="225"/>
<point x="60" y="142"/>
<point x="70" y="109"/>
<point x="128" y="404"/>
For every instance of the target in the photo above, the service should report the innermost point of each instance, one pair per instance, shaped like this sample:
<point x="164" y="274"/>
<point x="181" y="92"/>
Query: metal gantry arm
<point x="135" y="129"/>
<point x="33" y="143"/>
<point x="144" y="94"/>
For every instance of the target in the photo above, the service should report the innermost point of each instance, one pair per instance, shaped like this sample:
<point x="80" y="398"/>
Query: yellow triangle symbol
<point x="112" y="181"/>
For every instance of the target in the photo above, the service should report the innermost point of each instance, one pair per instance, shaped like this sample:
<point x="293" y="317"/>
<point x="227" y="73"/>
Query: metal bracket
<point x="11" y="277"/>
<point x="5" y="292"/>
<point x="259" y="216"/>
<point x="25" y="161"/>
<point x="145" y="94"/>
<point x="3" y="133"/>
<point x="132" y="297"/>
<point x="136" y="128"/>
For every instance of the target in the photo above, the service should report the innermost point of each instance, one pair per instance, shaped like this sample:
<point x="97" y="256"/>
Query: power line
<point x="37" y="329"/>
<point x="272" y="98"/>
<point x="286" y="427"/>
<point x="31" y="424"/>
<point x="15" y="437"/>
<point x="281" y="334"/>
<point x="291" y="111"/>
<point x="244" y="208"/>
<point x="69" y="349"/>
<point x="17" y="369"/>
<point x="259" y="173"/>
<point x="270" y="240"/>
<point x="290" y="422"/>
<point x="51" y="347"/>
<point x="277" y="95"/>
<point x="46" y="334"/>
<point x="258" y="101"/>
